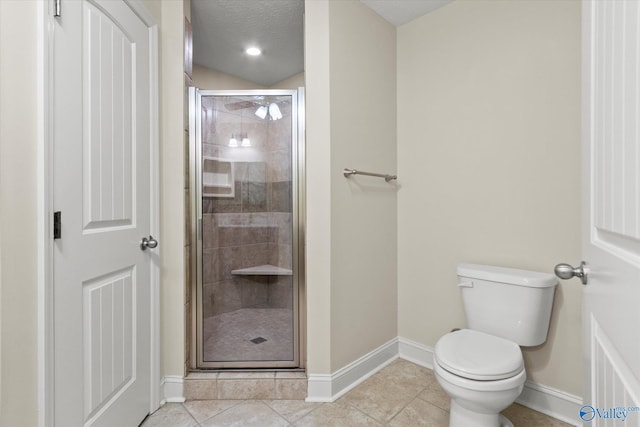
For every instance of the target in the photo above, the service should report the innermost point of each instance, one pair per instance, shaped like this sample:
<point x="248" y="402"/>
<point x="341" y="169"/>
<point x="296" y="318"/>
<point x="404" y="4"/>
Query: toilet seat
<point x="478" y="356"/>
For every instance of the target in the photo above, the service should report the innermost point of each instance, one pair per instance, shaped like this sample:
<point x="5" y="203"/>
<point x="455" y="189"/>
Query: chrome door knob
<point x="566" y="271"/>
<point x="148" y="243"/>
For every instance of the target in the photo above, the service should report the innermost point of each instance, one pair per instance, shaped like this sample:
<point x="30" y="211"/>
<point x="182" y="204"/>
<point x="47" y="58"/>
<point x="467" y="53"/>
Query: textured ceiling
<point x="223" y="29"/>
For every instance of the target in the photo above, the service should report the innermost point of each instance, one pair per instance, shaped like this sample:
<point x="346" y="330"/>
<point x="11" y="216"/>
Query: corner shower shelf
<point x="217" y="177"/>
<point x="263" y="270"/>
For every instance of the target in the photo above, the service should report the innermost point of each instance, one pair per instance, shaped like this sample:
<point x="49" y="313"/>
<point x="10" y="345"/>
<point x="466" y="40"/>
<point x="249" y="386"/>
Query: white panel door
<point x="101" y="161"/>
<point x="611" y="226"/>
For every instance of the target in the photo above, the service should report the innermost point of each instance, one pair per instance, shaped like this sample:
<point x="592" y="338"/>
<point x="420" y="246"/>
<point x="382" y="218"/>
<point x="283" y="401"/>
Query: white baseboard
<point x="417" y="353"/>
<point x="552" y="402"/>
<point x="541" y="398"/>
<point x="172" y="389"/>
<point x="329" y="387"/>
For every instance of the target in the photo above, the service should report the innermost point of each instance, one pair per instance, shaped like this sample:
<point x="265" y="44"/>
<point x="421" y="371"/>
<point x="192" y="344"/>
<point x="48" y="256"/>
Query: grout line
<point x="221" y="412"/>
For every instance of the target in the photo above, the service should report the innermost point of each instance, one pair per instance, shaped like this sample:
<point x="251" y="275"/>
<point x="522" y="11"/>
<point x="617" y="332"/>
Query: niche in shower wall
<point x="246" y="264"/>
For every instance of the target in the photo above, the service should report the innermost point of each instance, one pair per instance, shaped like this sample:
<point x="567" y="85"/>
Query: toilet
<point x="481" y="368"/>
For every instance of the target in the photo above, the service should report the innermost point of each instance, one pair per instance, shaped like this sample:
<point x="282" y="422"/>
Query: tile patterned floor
<point x="402" y="394"/>
<point x="228" y="336"/>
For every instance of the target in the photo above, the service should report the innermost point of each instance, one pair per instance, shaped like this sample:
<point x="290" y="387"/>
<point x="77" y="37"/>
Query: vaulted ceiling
<point x="224" y="29"/>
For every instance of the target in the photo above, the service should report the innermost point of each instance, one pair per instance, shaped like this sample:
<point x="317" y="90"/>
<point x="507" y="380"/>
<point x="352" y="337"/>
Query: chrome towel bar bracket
<point x="348" y="172"/>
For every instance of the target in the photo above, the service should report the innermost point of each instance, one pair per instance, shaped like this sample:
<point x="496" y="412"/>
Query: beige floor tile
<point x="522" y="416"/>
<point x="202" y="410"/>
<point x="405" y="373"/>
<point x="246" y="414"/>
<point x="200" y="389"/>
<point x="285" y="375"/>
<point x="170" y="415"/>
<point x="421" y="413"/>
<point x="247" y="389"/>
<point x="292" y="410"/>
<point x="381" y="398"/>
<point x="291" y="389"/>
<point x="336" y="414"/>
<point x="434" y="394"/>
<point x="246" y="375"/>
<point x="402" y="394"/>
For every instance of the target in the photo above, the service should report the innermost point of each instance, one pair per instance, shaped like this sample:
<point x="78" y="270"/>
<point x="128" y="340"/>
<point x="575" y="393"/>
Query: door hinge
<point x="57" y="225"/>
<point x="56" y="8"/>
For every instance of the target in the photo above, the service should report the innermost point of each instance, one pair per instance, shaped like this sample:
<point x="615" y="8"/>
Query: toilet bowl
<point x="481" y="368"/>
<point x="482" y="374"/>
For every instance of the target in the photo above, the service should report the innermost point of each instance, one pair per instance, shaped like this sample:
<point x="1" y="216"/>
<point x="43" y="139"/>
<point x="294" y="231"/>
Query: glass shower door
<point x="247" y="172"/>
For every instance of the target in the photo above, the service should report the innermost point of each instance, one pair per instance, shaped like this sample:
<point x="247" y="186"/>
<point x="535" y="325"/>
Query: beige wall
<point x="318" y="171"/>
<point x="208" y="78"/>
<point x="170" y="16"/>
<point x="363" y="209"/>
<point x="293" y="82"/>
<point x="19" y="141"/>
<point x="351" y="224"/>
<point x="172" y="193"/>
<point x="488" y="136"/>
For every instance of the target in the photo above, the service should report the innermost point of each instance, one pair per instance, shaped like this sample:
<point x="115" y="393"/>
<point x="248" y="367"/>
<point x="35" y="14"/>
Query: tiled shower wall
<point x="254" y="227"/>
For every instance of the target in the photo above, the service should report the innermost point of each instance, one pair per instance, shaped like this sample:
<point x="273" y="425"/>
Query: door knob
<point x="148" y="243"/>
<point x="566" y="271"/>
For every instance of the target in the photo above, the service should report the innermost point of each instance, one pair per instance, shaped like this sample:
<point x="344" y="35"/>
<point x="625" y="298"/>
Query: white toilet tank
<point x="506" y="302"/>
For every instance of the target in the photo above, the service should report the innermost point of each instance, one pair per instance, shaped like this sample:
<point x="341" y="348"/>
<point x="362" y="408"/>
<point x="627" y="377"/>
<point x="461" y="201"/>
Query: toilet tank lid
<point x="512" y="276"/>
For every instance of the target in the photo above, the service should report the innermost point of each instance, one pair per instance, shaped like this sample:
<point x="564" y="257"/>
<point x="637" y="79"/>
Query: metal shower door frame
<point x="196" y="358"/>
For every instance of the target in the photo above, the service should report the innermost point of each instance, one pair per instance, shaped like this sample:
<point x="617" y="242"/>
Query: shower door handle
<point x="148" y="243"/>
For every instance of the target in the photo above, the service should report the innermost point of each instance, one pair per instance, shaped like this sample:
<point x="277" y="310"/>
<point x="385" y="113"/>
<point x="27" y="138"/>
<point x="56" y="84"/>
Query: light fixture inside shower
<point x="261" y="112"/>
<point x="233" y="142"/>
<point x="272" y="109"/>
<point x="243" y="137"/>
<point x="245" y="141"/>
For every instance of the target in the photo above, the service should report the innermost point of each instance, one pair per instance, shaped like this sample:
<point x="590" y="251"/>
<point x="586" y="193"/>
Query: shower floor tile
<point x="249" y="334"/>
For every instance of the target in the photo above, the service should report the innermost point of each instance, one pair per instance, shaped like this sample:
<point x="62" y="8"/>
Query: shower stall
<point x="247" y="159"/>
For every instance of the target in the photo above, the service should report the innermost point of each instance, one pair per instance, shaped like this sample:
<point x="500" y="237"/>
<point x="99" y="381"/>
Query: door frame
<point x="44" y="247"/>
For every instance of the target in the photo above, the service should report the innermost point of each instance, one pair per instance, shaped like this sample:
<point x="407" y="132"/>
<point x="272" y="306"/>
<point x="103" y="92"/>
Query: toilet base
<point x="462" y="417"/>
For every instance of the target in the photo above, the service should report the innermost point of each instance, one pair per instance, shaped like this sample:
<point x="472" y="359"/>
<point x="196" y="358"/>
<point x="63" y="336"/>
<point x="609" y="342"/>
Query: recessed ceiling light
<point x="253" y="51"/>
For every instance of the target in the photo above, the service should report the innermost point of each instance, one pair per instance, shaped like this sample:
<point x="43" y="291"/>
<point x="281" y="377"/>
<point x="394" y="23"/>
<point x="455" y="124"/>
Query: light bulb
<point x="246" y="142"/>
<point x="261" y="112"/>
<point x="274" y="111"/>
<point x="233" y="142"/>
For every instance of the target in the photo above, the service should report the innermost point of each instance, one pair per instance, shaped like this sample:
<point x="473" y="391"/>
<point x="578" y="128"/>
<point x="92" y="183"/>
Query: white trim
<point x="319" y="388"/>
<point x="417" y="353"/>
<point x="552" y="402"/>
<point x="45" y="336"/>
<point x="172" y="389"/>
<point x="154" y="68"/>
<point x="329" y="387"/>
